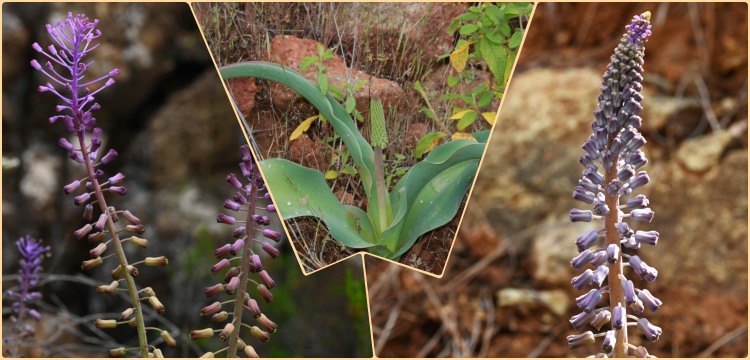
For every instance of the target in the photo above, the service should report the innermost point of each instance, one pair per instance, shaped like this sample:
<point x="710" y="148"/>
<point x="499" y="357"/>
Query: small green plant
<point x="486" y="37"/>
<point x="426" y="197"/>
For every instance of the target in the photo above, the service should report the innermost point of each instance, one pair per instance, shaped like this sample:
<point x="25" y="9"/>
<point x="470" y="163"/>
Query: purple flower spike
<point x="639" y="29"/>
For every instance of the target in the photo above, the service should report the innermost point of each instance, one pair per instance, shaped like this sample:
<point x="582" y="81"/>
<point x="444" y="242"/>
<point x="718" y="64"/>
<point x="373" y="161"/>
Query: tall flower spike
<point x="66" y="66"/>
<point x="615" y="146"/>
<point x="235" y="282"/>
<point x="32" y="253"/>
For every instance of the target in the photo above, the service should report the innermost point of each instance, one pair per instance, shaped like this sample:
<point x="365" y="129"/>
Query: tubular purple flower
<point x="81" y="199"/>
<point x="267" y="323"/>
<point x="583" y="195"/>
<point x="271" y="208"/>
<point x="264" y="293"/>
<point x="118" y="178"/>
<point x="119" y="190"/>
<point x="580" y="339"/>
<point x="618" y="317"/>
<point x="83" y="231"/>
<point x="588" y="185"/>
<point x="239" y="198"/>
<point x="647" y="237"/>
<point x="99" y="226"/>
<point x="232" y="180"/>
<point x="577" y="215"/>
<point x="232" y="285"/>
<point x="580" y="261"/>
<point x="613" y="253"/>
<point x="609" y="341"/>
<point x="649" y="300"/>
<point x="109" y="156"/>
<point x="213" y="290"/>
<point x="267" y="280"/>
<point x="67" y="189"/>
<point x="588" y="301"/>
<point x="272" y="235"/>
<point x="239" y="232"/>
<point x="599" y="275"/>
<point x="581" y="281"/>
<point x="651" y="331"/>
<point x="628" y="290"/>
<point x="231" y="205"/>
<point x="219" y="266"/>
<point x="225" y="219"/>
<point x="257" y="265"/>
<point x="252" y="305"/>
<point x="270" y="250"/>
<point x="65" y="144"/>
<point x="586" y="240"/>
<point x="639" y="180"/>
<point x="237" y="246"/>
<point x="211" y="309"/>
<point x="637" y="202"/>
<point x="602" y="318"/>
<point x="222" y="251"/>
<point x="592" y="175"/>
<point x="645" y="215"/>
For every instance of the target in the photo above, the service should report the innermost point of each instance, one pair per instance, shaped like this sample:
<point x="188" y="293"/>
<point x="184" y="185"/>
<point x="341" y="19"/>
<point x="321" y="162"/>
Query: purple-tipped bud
<point x="602" y="318"/>
<point x="98" y="250"/>
<point x="618" y="317"/>
<point x="625" y="173"/>
<point x="588" y="301"/>
<point x="264" y="293"/>
<point x="232" y="285"/>
<point x="592" y="175"/>
<point x="111" y="155"/>
<point x="267" y="197"/>
<point x="267" y="280"/>
<point x="239" y="198"/>
<point x="636" y="143"/>
<point x="132" y="219"/>
<point x="580" y="339"/>
<point x="232" y="180"/>
<point x="647" y="237"/>
<point x="267" y="323"/>
<point x="67" y="189"/>
<point x="610" y="339"/>
<point x="226" y="332"/>
<point x="81" y="199"/>
<point x="270" y="250"/>
<point x="271" y="208"/>
<point x="577" y="215"/>
<point x="639" y="180"/>
<point x="36" y="47"/>
<point x="233" y="272"/>
<point x="101" y="222"/>
<point x="645" y="215"/>
<point x="237" y="246"/>
<point x="588" y="185"/>
<point x="583" y="195"/>
<point x="65" y="144"/>
<point x="580" y="261"/>
<point x="599" y="275"/>
<point x="211" y="309"/>
<point x="245" y="170"/>
<point x="600" y="257"/>
<point x="88" y="212"/>
<point x="255" y="265"/>
<point x="85" y="230"/>
<point x="272" y="235"/>
<point x="225" y="219"/>
<point x="119" y="190"/>
<point x="231" y="205"/>
<point x="637" y="159"/>
<point x="637" y="202"/>
<point x="239" y="232"/>
<point x="219" y="266"/>
<point x="252" y="305"/>
<point x="586" y="240"/>
<point x="646" y="272"/>
<point x="213" y="290"/>
<point x="222" y="251"/>
<point x="581" y="281"/>
<point x="118" y="178"/>
<point x="628" y="290"/>
<point x="651" y="331"/>
<point x="613" y="253"/>
<point x="580" y="320"/>
<point x="649" y="300"/>
<point x="637" y="306"/>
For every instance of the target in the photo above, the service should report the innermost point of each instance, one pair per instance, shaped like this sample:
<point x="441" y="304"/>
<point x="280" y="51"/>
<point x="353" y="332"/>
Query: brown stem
<point x="132" y="289"/>
<point x="616" y="295"/>
<point x="247" y="253"/>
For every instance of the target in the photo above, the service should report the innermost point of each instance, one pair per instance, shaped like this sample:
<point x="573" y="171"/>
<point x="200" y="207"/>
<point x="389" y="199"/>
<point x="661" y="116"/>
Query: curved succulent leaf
<point x="301" y="191"/>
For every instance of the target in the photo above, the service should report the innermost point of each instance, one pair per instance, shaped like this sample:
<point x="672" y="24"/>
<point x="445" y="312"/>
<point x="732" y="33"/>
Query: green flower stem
<point x="380" y="190"/>
<point x="132" y="289"/>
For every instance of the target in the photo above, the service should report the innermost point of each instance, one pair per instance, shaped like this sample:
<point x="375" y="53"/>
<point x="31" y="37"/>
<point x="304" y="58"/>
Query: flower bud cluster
<point x="241" y="264"/>
<point x="614" y="148"/>
<point x="66" y="66"/>
<point x="32" y="253"/>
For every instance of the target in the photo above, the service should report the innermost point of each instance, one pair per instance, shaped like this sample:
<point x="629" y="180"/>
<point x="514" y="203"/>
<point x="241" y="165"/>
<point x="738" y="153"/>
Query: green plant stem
<point x="380" y="190"/>
<point x="441" y="124"/>
<point x="616" y="295"/>
<point x="132" y="289"/>
<point x="247" y="253"/>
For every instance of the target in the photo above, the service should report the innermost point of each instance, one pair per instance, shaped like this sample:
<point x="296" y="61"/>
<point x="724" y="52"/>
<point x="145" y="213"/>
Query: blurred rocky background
<point x="169" y="118"/>
<point x="506" y="291"/>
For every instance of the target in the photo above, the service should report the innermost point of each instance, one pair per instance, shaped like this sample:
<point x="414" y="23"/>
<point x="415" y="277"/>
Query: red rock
<point x="243" y="91"/>
<point x="309" y="153"/>
<point x="412" y="135"/>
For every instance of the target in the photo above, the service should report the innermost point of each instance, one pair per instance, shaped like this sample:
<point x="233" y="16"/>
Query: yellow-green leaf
<point x="302" y="127"/>
<point x="462" y="135"/>
<point x="460" y="56"/>
<point x="466" y="120"/>
<point x="331" y="174"/>
<point x="460" y="113"/>
<point x="428" y="142"/>
<point x="490" y="117"/>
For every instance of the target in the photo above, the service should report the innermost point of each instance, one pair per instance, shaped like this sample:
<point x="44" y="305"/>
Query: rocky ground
<point x="389" y="45"/>
<point x="506" y="290"/>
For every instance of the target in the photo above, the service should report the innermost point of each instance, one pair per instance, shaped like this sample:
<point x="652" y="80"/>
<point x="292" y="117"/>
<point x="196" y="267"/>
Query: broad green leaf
<point x="494" y="55"/>
<point x="466" y="120"/>
<point x="453" y="80"/>
<point x="306" y="62"/>
<point x="470" y="16"/>
<point x="460" y="56"/>
<point x="451" y="96"/>
<point x="495" y="36"/>
<point x="505" y="29"/>
<point x="474" y="9"/>
<point x="489" y="117"/>
<point x="302" y="127"/>
<point x="485" y="99"/>
<point x="515" y="41"/>
<point x="348" y="170"/>
<point x="331" y="174"/>
<point x="322" y="80"/>
<point x="468" y="29"/>
<point x="428" y="142"/>
<point x="350" y="104"/>
<point x="300" y="191"/>
<point x="508" y="67"/>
